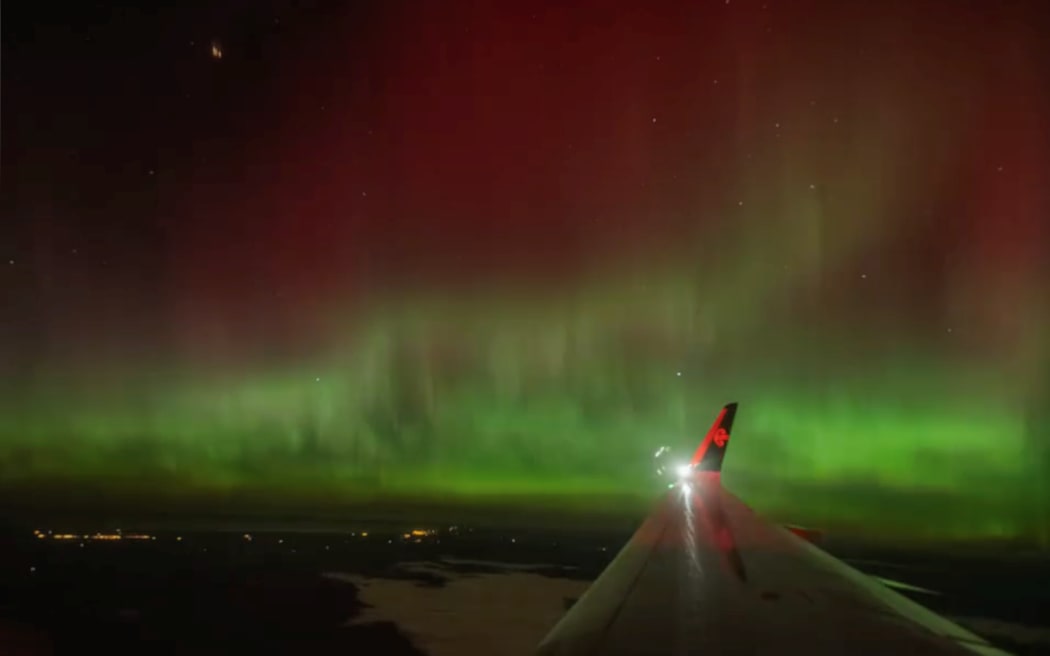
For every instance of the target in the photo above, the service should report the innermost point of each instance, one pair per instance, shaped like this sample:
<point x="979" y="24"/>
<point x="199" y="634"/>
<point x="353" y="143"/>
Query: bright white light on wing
<point x="687" y="489"/>
<point x="683" y="471"/>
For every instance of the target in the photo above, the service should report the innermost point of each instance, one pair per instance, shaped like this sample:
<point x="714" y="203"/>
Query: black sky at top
<point x="109" y="114"/>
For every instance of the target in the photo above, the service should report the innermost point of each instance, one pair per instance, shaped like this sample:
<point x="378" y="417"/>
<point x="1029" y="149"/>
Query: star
<point x="864" y="276"/>
<point x="10" y="261"/>
<point x="216" y="49"/>
<point x="654" y="119"/>
<point x="812" y="186"/>
<point x="678" y="373"/>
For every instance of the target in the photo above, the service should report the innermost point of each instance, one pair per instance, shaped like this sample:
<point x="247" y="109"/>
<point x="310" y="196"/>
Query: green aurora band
<point x="505" y="403"/>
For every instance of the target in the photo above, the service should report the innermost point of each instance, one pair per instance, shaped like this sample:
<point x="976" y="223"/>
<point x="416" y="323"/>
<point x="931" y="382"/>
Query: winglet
<point x="712" y="450"/>
<point x="808" y="534"/>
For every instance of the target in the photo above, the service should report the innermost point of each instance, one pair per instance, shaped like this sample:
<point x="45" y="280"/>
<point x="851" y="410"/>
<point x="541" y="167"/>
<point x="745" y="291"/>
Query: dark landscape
<point x="292" y="592"/>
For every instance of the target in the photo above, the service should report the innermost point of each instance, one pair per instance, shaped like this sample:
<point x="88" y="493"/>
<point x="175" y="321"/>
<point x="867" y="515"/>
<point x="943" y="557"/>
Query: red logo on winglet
<point x="721" y="437"/>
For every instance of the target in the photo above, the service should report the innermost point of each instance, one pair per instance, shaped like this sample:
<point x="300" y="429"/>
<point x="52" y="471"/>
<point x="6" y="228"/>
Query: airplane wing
<point x="705" y="575"/>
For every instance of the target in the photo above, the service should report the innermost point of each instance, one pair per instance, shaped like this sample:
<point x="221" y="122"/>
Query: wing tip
<point x="711" y="452"/>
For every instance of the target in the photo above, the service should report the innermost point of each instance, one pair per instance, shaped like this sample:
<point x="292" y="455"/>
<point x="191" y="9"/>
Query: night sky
<point x="316" y="255"/>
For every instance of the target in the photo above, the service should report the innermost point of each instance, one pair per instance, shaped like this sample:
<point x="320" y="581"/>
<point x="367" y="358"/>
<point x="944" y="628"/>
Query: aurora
<point x="491" y="257"/>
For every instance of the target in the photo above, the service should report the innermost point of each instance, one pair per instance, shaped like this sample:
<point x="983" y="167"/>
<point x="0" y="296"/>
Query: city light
<point x="97" y="536"/>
